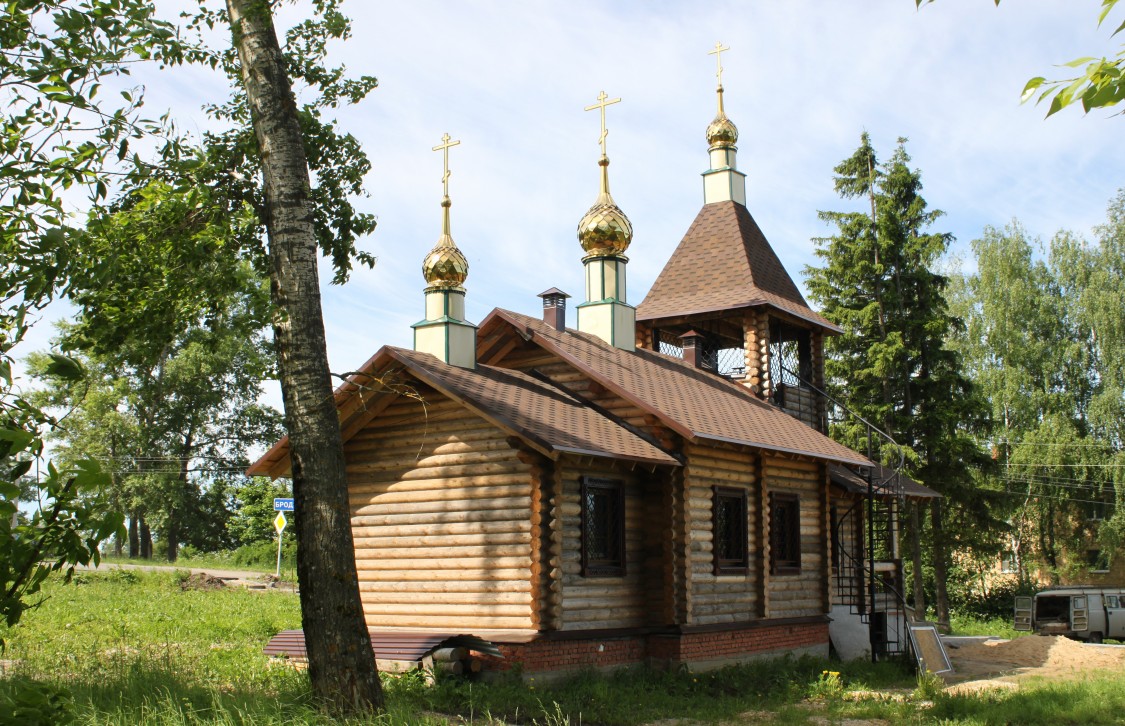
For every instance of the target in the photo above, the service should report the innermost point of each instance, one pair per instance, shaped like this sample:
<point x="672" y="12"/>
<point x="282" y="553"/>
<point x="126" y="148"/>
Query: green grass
<point x="129" y="647"/>
<point x="223" y="560"/>
<point x="969" y="625"/>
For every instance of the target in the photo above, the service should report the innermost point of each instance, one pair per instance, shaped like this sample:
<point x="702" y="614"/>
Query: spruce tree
<point x="878" y="281"/>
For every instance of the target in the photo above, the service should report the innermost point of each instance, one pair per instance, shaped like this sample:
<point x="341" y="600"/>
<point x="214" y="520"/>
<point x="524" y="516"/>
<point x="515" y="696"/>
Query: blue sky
<point x="803" y="79"/>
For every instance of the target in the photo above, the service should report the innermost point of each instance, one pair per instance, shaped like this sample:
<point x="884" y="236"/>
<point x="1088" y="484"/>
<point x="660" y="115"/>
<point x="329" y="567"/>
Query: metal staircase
<point x="869" y="572"/>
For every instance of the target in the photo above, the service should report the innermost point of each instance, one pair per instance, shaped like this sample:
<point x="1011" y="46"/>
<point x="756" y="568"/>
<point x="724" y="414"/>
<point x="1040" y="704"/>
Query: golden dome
<point x="445" y="266"/>
<point x="722" y="133"/>
<point x="605" y="231"/>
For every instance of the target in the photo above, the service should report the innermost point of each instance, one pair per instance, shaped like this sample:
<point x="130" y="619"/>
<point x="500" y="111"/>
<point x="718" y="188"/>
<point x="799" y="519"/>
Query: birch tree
<point x="341" y="661"/>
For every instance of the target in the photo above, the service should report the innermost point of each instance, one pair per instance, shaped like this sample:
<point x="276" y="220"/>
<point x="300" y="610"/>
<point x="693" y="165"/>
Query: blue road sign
<point x="282" y="505"/>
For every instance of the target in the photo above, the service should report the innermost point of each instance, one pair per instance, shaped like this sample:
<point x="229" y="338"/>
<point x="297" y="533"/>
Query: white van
<point x="1083" y="613"/>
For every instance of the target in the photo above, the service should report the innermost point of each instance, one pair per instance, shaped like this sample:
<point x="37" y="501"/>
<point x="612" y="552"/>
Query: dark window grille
<point x="603" y="527"/>
<point x="668" y="343"/>
<point x="785" y="534"/>
<point x="729" y="540"/>
<point x="730" y="362"/>
<point x="790" y="355"/>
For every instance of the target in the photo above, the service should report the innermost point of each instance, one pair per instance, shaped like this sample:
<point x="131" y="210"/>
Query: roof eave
<point x="813" y="318"/>
<point x="860" y="460"/>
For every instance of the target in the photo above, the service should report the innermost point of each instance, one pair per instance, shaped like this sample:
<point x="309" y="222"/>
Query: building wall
<point x="440" y="516"/>
<point x="698" y="651"/>
<point x="804" y="593"/>
<point x="594" y="603"/>
<point x="720" y="598"/>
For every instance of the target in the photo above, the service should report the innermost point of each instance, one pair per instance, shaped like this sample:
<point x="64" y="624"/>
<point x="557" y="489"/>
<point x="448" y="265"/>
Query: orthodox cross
<point x="718" y="53"/>
<point x="602" y="103"/>
<point x="444" y="148"/>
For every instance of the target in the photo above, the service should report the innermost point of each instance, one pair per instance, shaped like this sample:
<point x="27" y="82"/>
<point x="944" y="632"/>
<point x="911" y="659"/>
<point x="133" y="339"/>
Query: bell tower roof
<point x="724" y="263"/>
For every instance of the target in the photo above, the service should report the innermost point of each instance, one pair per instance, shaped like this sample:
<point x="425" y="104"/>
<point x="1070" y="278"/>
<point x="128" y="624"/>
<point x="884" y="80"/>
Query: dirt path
<point x="251" y="579"/>
<point x="1005" y="663"/>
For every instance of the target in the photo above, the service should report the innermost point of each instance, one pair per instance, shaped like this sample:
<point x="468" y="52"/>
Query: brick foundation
<point x="701" y="650"/>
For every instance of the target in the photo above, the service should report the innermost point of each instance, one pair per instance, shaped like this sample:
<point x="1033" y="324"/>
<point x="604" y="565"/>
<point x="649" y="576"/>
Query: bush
<point x="25" y="702"/>
<point x="264" y="554"/>
<point x="997" y="602"/>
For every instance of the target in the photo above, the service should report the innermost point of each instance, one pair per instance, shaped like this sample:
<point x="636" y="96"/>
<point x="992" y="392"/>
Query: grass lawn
<point x="217" y="561"/>
<point x="128" y="647"/>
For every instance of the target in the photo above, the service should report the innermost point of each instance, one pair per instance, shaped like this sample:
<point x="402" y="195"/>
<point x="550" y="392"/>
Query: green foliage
<point x="63" y="532"/>
<point x="263" y="553"/>
<point x="26" y="702"/>
<point x="174" y="431"/>
<point x="57" y="135"/>
<point x="1000" y="626"/>
<point x="252" y="521"/>
<point x="891" y="365"/>
<point x="1100" y="85"/>
<point x="1045" y="339"/>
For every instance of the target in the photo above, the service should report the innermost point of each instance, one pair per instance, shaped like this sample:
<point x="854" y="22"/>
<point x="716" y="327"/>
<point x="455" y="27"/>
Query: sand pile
<point x="1007" y="661"/>
<point x="1036" y="651"/>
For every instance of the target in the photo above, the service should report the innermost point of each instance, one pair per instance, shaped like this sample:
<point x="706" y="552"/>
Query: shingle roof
<point x="534" y="410"/>
<point x="856" y="484"/>
<point x="546" y="417"/>
<point x="724" y="262"/>
<point x="695" y="403"/>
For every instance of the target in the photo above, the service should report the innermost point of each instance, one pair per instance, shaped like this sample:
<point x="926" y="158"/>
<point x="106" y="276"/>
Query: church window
<point x="728" y="532"/>
<point x="785" y="534"/>
<point x="603" y="527"/>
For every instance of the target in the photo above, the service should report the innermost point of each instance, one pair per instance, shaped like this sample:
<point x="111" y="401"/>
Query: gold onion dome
<point x="445" y="266"/>
<point x="722" y="133"/>
<point x="605" y="231"/>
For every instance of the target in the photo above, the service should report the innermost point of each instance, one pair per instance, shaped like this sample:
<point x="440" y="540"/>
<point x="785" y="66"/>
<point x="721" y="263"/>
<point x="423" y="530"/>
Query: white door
<point x="1079" y="614"/>
<point x="1115" y="617"/>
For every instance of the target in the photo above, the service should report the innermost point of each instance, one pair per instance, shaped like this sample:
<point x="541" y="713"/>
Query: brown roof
<point x="692" y="402"/>
<point x="723" y="263"/>
<point x="538" y="412"/>
<point x="547" y="418"/>
<point x="856" y="484"/>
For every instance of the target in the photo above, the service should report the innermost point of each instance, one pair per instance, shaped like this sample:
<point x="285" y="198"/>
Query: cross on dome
<point x="718" y="53"/>
<point x="601" y="104"/>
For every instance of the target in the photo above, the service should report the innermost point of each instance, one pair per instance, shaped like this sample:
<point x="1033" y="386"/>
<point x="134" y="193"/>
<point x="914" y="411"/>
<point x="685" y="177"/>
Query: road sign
<point x="282" y="504"/>
<point x="280" y="522"/>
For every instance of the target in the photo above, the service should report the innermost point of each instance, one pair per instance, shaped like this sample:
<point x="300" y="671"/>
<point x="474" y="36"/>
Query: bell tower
<point x="725" y="284"/>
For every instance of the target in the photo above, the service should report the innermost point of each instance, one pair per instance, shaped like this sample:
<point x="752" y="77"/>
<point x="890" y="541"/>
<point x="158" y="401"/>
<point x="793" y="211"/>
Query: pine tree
<point x="891" y="365"/>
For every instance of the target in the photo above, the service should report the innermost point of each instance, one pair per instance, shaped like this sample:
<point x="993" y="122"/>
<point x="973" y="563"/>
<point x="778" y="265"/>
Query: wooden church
<point x="653" y="485"/>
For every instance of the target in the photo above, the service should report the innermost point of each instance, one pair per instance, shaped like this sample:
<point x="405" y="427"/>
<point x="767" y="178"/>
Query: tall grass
<point x="127" y="647"/>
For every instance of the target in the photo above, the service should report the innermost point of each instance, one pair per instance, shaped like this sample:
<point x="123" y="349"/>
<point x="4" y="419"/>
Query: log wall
<point x="441" y="516"/>
<point x="594" y="603"/>
<point x="804" y="593"/>
<point x="719" y="598"/>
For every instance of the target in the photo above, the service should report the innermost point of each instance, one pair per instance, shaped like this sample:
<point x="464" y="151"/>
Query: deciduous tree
<point x="341" y="661"/>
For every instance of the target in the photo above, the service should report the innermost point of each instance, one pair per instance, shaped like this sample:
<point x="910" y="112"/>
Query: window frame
<point x="790" y="565"/>
<point x="737" y="565"/>
<point x="612" y="566"/>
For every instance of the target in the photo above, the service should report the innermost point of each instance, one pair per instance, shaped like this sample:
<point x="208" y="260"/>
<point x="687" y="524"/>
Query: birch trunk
<point x="342" y="667"/>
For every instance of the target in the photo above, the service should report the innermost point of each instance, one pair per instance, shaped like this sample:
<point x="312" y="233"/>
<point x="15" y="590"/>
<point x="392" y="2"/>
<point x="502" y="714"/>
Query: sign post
<point x="282" y="505"/>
